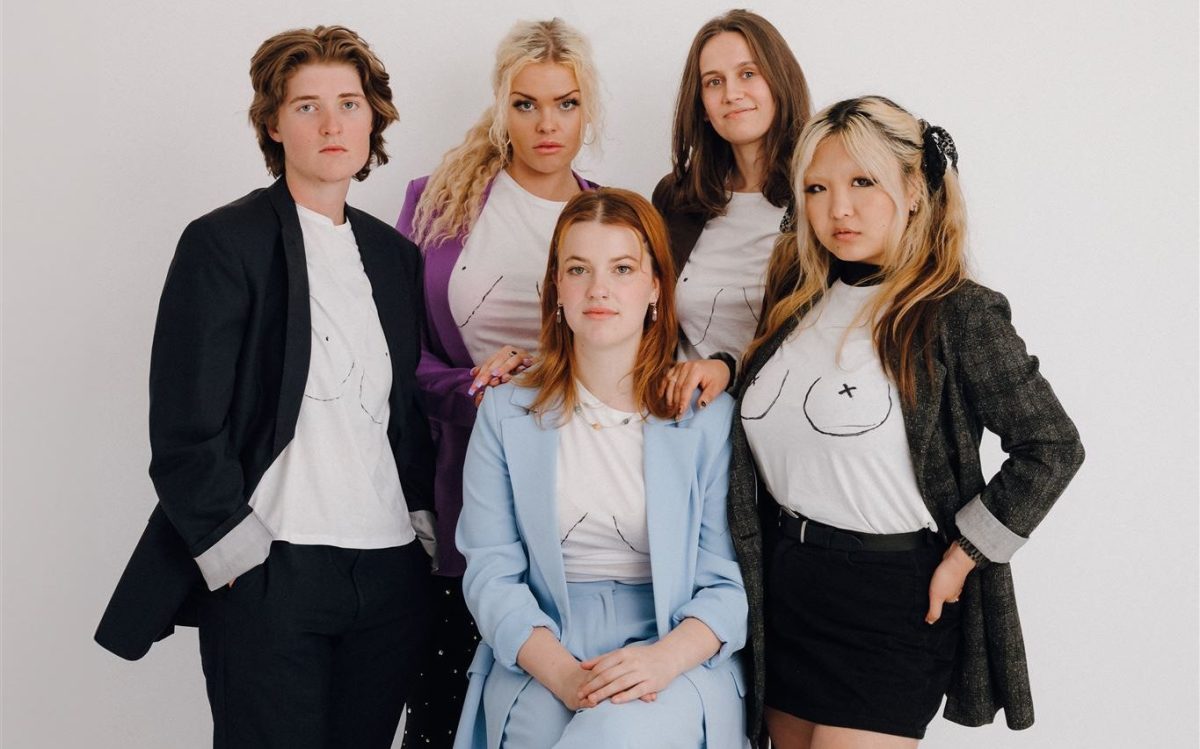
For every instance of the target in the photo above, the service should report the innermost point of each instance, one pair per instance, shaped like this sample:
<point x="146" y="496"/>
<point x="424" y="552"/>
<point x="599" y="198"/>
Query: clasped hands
<point x="634" y="672"/>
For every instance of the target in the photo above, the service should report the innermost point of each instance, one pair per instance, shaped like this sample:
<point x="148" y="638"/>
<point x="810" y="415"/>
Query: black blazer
<point x="983" y="378"/>
<point x="228" y="368"/>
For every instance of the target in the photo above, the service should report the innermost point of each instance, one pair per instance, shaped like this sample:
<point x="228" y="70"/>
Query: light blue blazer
<point x="515" y="581"/>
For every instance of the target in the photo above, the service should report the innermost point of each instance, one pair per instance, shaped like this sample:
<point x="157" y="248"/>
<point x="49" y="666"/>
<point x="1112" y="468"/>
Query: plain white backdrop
<point x="1077" y="129"/>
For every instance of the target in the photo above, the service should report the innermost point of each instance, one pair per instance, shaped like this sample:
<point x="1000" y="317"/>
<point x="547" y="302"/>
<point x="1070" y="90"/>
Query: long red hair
<point x="555" y="374"/>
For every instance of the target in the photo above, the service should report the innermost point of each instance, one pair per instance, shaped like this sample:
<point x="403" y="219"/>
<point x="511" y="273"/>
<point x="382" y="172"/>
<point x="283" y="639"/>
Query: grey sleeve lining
<point x="241" y="549"/>
<point x="993" y="539"/>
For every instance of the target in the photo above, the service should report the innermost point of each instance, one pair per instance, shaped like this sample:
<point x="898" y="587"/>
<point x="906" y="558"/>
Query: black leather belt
<point x="807" y="531"/>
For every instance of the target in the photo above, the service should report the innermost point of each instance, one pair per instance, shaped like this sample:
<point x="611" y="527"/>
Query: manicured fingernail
<point x="471" y="390"/>
<point x="495" y="373"/>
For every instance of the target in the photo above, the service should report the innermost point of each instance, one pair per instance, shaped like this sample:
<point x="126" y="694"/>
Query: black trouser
<point x="441" y="683"/>
<point x="315" y="648"/>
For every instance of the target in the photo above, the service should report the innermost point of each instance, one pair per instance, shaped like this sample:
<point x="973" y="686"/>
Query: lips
<point x="844" y="235"/>
<point x="599" y="313"/>
<point x="548" y="146"/>
<point x="333" y="149"/>
<point x="739" y="112"/>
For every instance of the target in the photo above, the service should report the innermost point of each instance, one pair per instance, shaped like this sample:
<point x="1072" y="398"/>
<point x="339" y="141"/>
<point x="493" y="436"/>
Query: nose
<point x="548" y="120"/>
<point x="840" y="203"/>
<point x="734" y="89"/>
<point x="331" y="122"/>
<point x="597" y="287"/>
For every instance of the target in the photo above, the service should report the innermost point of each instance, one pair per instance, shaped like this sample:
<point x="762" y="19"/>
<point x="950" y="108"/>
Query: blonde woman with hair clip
<point x="599" y="562"/>
<point x="483" y="220"/>
<point x="856" y="471"/>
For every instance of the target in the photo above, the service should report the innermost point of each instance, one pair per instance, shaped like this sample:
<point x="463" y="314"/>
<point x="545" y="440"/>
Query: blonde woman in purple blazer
<point x="483" y="220"/>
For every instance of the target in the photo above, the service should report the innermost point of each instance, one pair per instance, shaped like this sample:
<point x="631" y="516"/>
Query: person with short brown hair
<point x="292" y="461"/>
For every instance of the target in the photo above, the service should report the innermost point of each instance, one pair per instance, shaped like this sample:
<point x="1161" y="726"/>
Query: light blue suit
<point x="515" y="581"/>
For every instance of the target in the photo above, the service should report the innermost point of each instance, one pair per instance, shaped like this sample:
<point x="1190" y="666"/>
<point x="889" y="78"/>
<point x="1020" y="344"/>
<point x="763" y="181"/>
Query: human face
<point x="737" y="100"/>
<point x="851" y="214"/>
<point x="605" y="285"/>
<point x="545" y="121"/>
<point x="324" y="125"/>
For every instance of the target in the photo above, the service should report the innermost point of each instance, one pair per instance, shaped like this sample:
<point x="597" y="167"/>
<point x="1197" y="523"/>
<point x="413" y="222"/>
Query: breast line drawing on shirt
<point x="826" y="423"/>
<point x="482" y="299"/>
<point x="341" y="385"/>
<point x="712" y="313"/>
<point x="616" y="527"/>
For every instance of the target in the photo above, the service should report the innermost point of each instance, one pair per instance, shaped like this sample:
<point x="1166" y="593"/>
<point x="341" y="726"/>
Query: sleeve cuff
<point x="986" y="533"/>
<point x="244" y="547"/>
<point x="422" y="523"/>
<point x="730" y="362"/>
<point x="512" y="634"/>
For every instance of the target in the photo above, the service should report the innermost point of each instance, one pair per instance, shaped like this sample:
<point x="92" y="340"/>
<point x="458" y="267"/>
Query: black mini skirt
<point x="846" y="640"/>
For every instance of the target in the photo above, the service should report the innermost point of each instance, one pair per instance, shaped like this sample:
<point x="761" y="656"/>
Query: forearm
<point x="545" y="659"/>
<point x="690" y="644"/>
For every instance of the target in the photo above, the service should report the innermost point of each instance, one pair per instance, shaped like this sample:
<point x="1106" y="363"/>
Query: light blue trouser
<point x="606" y="616"/>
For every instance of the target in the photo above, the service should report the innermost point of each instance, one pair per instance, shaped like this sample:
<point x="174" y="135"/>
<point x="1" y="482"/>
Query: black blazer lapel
<point x="298" y="328"/>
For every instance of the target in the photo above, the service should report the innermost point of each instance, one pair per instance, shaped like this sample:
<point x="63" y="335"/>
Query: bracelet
<point x="972" y="551"/>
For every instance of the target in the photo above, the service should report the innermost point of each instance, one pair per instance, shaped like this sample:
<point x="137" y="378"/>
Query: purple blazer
<point x="443" y="376"/>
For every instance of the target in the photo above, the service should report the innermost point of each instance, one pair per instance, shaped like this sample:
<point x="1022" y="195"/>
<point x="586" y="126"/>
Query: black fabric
<point x="227" y="372"/>
<point x="807" y="531"/>
<point x="854" y="273"/>
<point x="441" y="680"/>
<point x="316" y="647"/>
<point x="848" y="639"/>
<point x="983" y="377"/>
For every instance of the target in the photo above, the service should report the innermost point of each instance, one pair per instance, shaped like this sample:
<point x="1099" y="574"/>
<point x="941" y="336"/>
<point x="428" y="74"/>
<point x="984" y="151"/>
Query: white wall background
<point x="1077" y="125"/>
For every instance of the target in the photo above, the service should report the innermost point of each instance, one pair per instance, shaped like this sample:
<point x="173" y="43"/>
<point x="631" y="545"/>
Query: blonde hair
<point x="924" y="259"/>
<point x="453" y="197"/>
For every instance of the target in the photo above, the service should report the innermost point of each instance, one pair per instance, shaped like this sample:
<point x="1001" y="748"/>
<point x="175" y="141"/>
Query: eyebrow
<point x="739" y="66"/>
<point x="572" y="92"/>
<point x="313" y="97"/>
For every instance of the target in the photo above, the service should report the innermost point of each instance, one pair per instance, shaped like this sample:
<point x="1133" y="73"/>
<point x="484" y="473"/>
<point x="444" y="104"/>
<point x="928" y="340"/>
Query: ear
<point x="912" y="196"/>
<point x="273" y="131"/>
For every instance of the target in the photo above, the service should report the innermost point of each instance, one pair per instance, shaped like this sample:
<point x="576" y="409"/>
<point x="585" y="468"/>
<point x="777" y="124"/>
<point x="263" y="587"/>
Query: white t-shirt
<point x="495" y="289"/>
<point x="826" y="430"/>
<point x="601" y="490"/>
<point x="336" y="482"/>
<point x="720" y="289"/>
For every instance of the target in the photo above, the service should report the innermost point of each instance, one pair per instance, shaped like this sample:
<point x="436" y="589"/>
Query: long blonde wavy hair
<point x="453" y="197"/>
<point x="924" y="258"/>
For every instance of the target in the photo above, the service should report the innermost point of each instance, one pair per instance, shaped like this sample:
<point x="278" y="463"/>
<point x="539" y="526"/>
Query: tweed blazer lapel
<point x="921" y="418"/>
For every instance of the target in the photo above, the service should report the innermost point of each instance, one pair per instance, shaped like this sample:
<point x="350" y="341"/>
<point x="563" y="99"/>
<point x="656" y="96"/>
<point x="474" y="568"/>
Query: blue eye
<point x="349" y="106"/>
<point x="624" y="269"/>
<point x="306" y="108"/>
<point x="523" y="105"/>
<point x="574" y="270"/>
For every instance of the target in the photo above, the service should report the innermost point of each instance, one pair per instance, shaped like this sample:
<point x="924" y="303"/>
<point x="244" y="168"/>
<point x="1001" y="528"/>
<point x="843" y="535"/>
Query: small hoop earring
<point x="558" y="314"/>
<point x="653" y="311"/>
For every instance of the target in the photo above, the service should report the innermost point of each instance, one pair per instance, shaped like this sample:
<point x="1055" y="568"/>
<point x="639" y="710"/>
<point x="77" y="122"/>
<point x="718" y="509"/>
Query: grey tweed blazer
<point x="983" y="378"/>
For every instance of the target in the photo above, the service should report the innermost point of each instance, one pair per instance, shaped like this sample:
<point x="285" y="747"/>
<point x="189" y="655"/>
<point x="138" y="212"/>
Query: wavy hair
<point x="701" y="160"/>
<point x="924" y="259"/>
<point x="453" y="197"/>
<point x="554" y="376"/>
<point x="278" y="58"/>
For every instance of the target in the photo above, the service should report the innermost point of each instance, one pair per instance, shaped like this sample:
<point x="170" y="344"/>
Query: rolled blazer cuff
<point x="243" y="548"/>
<point x="993" y="539"/>
<point x="512" y="633"/>
<point x="727" y="622"/>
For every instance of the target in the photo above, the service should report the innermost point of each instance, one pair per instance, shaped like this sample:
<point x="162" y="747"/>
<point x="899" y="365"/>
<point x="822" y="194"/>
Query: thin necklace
<point x="598" y="426"/>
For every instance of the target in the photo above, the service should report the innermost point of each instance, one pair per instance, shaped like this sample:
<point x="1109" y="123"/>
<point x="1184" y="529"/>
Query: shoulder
<point x="233" y="229"/>
<point x="370" y="230"/>
<point x="663" y="193"/>
<point x="509" y="399"/>
<point x="970" y="305"/>
<point x="713" y="420"/>
<point x="416" y="188"/>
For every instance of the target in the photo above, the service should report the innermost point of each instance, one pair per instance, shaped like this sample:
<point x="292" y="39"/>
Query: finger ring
<point x="512" y="353"/>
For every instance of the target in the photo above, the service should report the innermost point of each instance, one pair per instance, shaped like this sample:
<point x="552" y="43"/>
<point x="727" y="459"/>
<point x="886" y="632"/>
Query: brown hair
<point x="554" y="376"/>
<point x="924" y="259"/>
<point x="280" y="56"/>
<point x="701" y="160"/>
